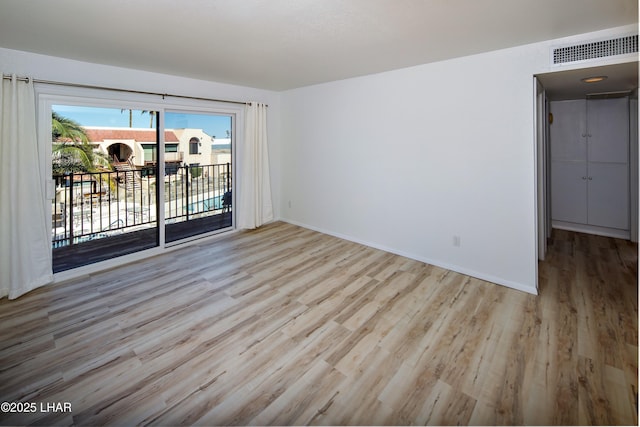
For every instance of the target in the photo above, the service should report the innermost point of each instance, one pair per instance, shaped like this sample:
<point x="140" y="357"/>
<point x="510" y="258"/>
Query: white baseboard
<point x="591" y="229"/>
<point x="458" y="269"/>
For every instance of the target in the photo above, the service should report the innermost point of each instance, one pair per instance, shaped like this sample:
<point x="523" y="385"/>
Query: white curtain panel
<point x="255" y="205"/>
<point x="25" y="251"/>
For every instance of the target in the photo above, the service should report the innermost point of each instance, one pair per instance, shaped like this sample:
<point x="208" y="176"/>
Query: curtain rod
<point x="140" y="92"/>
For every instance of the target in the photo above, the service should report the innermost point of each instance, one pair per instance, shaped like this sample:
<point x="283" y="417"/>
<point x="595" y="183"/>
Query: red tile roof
<point x="140" y="135"/>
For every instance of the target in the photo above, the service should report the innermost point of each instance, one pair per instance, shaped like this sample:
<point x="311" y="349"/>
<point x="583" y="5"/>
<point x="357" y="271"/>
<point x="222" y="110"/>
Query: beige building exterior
<point x="137" y="146"/>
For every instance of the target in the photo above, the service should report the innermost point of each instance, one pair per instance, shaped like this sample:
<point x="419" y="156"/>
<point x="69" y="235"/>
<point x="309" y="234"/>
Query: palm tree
<point x="130" y="116"/>
<point x="152" y="115"/>
<point x="71" y="149"/>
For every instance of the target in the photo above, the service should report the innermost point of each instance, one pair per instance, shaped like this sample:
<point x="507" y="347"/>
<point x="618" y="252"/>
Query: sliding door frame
<point x="49" y="95"/>
<point x="216" y="111"/>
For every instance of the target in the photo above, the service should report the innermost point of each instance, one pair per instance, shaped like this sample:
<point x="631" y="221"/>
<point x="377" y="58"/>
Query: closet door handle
<point x="584" y="135"/>
<point x="590" y="178"/>
<point x="584" y="177"/>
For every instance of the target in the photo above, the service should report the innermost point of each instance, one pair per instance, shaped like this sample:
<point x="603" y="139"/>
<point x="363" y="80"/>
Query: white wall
<point x="403" y="160"/>
<point x="63" y="70"/>
<point x="420" y="155"/>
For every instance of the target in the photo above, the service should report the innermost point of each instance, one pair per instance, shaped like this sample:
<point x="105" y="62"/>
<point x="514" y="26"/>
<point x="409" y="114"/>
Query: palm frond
<point x="70" y="158"/>
<point x="65" y="129"/>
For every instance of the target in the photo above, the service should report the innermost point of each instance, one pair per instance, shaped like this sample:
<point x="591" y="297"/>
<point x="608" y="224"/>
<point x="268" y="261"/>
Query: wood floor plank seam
<point x="287" y="326"/>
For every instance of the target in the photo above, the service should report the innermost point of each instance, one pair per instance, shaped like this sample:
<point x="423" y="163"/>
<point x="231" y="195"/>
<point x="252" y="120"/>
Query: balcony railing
<point x="196" y="191"/>
<point x="90" y="206"/>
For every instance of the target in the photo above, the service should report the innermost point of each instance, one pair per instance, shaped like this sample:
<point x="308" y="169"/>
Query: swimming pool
<point x="210" y="204"/>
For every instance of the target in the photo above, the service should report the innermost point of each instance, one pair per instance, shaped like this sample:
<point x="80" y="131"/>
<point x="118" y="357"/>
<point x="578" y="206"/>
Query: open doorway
<point x="119" y="152"/>
<point x="568" y="87"/>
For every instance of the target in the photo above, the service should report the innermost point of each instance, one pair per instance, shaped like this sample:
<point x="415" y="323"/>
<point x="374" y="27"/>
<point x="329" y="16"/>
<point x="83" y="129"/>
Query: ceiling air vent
<point x="596" y="49"/>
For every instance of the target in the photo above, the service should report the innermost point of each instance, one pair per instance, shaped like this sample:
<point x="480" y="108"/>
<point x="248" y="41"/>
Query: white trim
<point x="633" y="165"/>
<point x="540" y="190"/>
<point x="456" y="268"/>
<point x="591" y="229"/>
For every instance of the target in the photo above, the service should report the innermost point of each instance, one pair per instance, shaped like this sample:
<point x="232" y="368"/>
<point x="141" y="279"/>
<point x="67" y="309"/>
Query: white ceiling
<point x="284" y="44"/>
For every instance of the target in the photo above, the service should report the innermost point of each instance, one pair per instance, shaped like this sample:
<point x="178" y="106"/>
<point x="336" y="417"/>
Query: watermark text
<point x="35" y="407"/>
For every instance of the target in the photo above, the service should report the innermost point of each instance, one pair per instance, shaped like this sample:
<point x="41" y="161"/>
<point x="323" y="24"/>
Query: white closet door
<point x="569" y="191"/>
<point x="608" y="130"/>
<point x="568" y="161"/>
<point x="608" y="195"/>
<point x="568" y="131"/>
<point x="608" y="167"/>
<point x="590" y="163"/>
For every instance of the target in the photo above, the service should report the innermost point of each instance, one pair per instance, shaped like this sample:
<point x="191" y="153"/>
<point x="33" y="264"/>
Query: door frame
<point x="51" y="94"/>
<point x="542" y="167"/>
<point x="541" y="127"/>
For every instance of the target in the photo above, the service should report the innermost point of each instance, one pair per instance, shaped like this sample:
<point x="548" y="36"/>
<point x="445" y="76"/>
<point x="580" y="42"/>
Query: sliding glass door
<point x="105" y="201"/>
<point x="198" y="196"/>
<point x="123" y="184"/>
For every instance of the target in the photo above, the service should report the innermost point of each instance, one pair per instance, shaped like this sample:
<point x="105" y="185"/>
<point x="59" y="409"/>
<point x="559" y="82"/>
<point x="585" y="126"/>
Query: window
<point x="105" y="203"/>
<point x="194" y="144"/>
<point x="149" y="153"/>
<point x="123" y="197"/>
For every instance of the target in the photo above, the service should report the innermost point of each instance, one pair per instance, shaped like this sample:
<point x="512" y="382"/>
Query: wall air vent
<point x="595" y="49"/>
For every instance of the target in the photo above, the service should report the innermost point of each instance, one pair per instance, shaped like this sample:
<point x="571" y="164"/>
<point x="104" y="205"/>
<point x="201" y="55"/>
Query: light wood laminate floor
<point x="284" y="325"/>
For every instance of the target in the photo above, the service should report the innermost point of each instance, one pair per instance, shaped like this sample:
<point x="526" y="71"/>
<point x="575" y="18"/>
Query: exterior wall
<point x="203" y="157"/>
<point x="206" y="154"/>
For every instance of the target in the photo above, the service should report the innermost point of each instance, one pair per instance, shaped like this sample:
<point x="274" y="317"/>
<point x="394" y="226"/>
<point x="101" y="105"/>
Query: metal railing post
<point x="71" y="208"/>
<point x="186" y="191"/>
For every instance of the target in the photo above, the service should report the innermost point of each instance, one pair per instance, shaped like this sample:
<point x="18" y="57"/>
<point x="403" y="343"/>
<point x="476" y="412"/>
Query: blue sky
<point x="212" y="125"/>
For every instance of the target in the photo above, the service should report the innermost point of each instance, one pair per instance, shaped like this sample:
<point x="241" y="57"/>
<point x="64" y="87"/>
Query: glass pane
<point x="104" y="166"/>
<point x="198" y="188"/>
